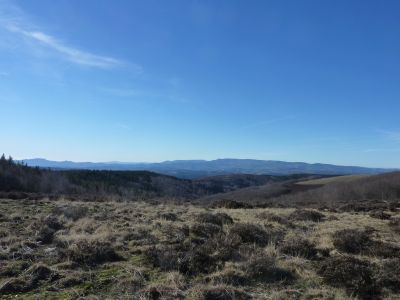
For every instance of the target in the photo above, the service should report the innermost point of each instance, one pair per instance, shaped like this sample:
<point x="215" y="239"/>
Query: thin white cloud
<point x="70" y="53"/>
<point x="14" y="20"/>
<point x="4" y="74"/>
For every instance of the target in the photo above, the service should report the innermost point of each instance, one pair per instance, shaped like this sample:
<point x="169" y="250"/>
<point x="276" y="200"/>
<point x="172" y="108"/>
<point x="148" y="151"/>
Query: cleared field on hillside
<point x="334" y="179"/>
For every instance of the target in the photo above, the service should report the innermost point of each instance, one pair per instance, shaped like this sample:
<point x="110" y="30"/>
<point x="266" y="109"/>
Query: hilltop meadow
<point x="116" y="235"/>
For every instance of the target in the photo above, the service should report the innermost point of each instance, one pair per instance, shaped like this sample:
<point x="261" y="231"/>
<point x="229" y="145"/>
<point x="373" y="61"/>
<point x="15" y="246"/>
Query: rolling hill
<point x="201" y="168"/>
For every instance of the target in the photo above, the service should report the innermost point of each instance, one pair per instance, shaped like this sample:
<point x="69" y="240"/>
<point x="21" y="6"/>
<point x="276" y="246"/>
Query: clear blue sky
<point x="95" y="80"/>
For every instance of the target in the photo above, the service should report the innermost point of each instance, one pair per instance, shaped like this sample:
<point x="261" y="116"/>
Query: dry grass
<point x="334" y="179"/>
<point x="115" y="250"/>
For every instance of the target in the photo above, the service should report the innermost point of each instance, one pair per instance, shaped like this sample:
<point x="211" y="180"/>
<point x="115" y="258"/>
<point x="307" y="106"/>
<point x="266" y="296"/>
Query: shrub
<point x="45" y="235"/>
<point x="14" y="268"/>
<point x="205" y="230"/>
<point x="53" y="222"/>
<point x="17" y="195"/>
<point x="268" y="216"/>
<point x="166" y="258"/>
<point x="389" y="275"/>
<point x="379" y="214"/>
<point x="217" y="292"/>
<point x="46" y="228"/>
<point x="71" y="279"/>
<point x="306" y="215"/>
<point x="395" y="224"/>
<point x="216" y="219"/>
<point x="92" y="253"/>
<point x="263" y="267"/>
<point x="15" y="285"/>
<point x="71" y="212"/>
<point x="28" y="282"/>
<point x="230" y="276"/>
<point x="355" y="275"/>
<point x="169" y="288"/>
<point x="252" y="233"/>
<point x="41" y="272"/>
<point x="298" y="246"/>
<point x="190" y="260"/>
<point x="197" y="260"/>
<point x="175" y="234"/>
<point x="169" y="216"/>
<point x="352" y="240"/>
<point x="231" y="204"/>
<point x="223" y="246"/>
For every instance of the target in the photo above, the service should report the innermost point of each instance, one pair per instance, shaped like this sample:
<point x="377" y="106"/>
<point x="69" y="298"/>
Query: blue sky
<point x="95" y="80"/>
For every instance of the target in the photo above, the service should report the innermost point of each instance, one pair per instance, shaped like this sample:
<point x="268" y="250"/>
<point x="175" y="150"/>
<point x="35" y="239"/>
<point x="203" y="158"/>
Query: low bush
<point x="45" y="235"/>
<point x="231" y="204"/>
<point x="174" y="233"/>
<point x="198" y="260"/>
<point x="53" y="222"/>
<point x="379" y="214"/>
<point x="223" y="246"/>
<point x="352" y="240"/>
<point x="262" y="267"/>
<point x="41" y="272"/>
<point x="298" y="246"/>
<point x="92" y="253"/>
<point x="166" y="258"/>
<point x="355" y="275"/>
<point x="306" y="215"/>
<point x="71" y="212"/>
<point x="17" y="195"/>
<point x="217" y="292"/>
<point x="384" y="250"/>
<point x="216" y="219"/>
<point x="15" y="285"/>
<point x="389" y="275"/>
<point x="169" y="216"/>
<point x="229" y="275"/>
<point x="271" y="217"/>
<point x="172" y="287"/>
<point x="205" y="230"/>
<point x="191" y="260"/>
<point x="14" y="268"/>
<point x="394" y="223"/>
<point x="253" y="233"/>
<point x="34" y="275"/>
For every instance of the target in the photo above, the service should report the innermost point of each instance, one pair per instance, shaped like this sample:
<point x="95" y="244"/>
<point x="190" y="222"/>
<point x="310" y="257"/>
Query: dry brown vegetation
<point x="62" y="249"/>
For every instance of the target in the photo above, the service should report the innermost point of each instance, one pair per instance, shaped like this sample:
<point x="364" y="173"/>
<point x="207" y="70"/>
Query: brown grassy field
<point x="114" y="250"/>
<point x="334" y="179"/>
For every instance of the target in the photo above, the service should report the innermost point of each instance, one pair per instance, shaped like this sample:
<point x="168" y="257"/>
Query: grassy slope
<point x="334" y="179"/>
<point x="131" y="229"/>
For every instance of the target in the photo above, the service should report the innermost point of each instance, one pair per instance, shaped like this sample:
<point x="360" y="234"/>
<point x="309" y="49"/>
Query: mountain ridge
<point x="202" y="168"/>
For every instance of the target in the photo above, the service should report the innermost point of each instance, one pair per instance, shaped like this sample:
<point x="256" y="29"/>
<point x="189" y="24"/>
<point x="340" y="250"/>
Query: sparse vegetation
<point x="68" y="247"/>
<point x="298" y="246"/>
<point x="355" y="275"/>
<point x="306" y="215"/>
<point x="91" y="248"/>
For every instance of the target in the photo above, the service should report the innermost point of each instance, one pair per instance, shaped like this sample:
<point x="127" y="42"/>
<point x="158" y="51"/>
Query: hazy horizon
<point x="194" y="159"/>
<point x="150" y="81"/>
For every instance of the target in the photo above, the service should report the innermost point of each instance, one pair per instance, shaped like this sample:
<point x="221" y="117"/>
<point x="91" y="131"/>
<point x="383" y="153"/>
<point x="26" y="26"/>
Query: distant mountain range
<point x="201" y="168"/>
